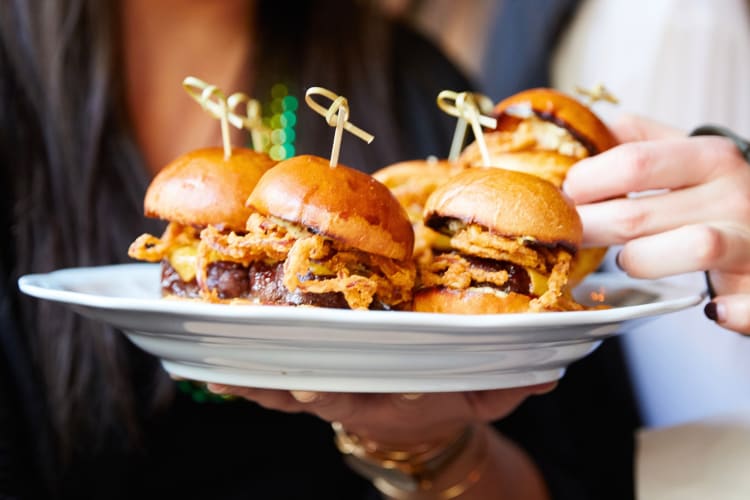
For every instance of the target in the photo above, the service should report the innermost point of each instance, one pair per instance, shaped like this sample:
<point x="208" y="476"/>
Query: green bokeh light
<point x="280" y="115"/>
<point x="279" y="90"/>
<point x="276" y="107"/>
<point x="277" y="152"/>
<point x="290" y="103"/>
<point x="291" y="118"/>
<point x="291" y="135"/>
<point x="278" y="136"/>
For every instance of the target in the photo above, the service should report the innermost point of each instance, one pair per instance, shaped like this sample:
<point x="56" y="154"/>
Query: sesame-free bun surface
<point x="202" y="188"/>
<point x="469" y="301"/>
<point x="549" y="165"/>
<point x="561" y="109"/>
<point x="416" y="172"/>
<point x="412" y="181"/>
<point x="508" y="203"/>
<point x="342" y="203"/>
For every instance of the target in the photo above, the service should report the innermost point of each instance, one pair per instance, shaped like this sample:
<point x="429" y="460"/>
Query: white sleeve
<point x="681" y="62"/>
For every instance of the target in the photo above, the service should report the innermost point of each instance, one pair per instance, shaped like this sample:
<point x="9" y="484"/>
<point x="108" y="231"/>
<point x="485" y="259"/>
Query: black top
<point x="581" y="435"/>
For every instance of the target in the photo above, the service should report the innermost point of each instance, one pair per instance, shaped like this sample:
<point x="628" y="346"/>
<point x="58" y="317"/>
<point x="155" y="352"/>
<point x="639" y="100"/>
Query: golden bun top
<point x="342" y="203"/>
<point x="412" y="181"/>
<point x="508" y="203"/>
<point x="415" y="172"/>
<point x="549" y="165"/>
<point x="560" y="109"/>
<point x="202" y="188"/>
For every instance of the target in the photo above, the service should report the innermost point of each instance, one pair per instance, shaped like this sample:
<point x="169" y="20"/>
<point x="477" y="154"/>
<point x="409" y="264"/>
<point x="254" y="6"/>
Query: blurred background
<point x="681" y="62"/>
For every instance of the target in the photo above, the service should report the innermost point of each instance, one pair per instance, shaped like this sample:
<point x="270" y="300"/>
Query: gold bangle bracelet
<point x="414" y="475"/>
<point x="472" y="477"/>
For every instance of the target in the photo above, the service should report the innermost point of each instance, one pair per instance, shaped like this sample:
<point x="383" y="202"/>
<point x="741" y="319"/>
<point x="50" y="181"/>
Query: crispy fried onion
<point x="548" y="136"/>
<point x="452" y="270"/>
<point x="475" y="240"/>
<point x="557" y="297"/>
<point x="152" y="249"/>
<point x="532" y="134"/>
<point x="312" y="262"/>
<point x="263" y="241"/>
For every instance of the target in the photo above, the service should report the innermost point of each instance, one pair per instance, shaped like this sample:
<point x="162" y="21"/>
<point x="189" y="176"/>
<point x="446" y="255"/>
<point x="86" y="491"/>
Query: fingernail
<point x="411" y="396"/>
<point x="547" y="389"/>
<point x="617" y="261"/>
<point x="304" y="396"/>
<point x="715" y="312"/>
<point x="216" y="389"/>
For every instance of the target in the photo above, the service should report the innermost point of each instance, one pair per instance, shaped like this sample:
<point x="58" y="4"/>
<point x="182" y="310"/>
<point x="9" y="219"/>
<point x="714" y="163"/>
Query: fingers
<point x="617" y="221"/>
<point x="306" y="396"/>
<point x="731" y="312"/>
<point x="491" y="405"/>
<point x="686" y="249"/>
<point x="268" y="398"/>
<point x="630" y="128"/>
<point x="644" y="166"/>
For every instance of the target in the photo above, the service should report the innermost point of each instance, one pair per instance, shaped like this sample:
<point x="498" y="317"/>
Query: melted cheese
<point x="184" y="260"/>
<point x="538" y="282"/>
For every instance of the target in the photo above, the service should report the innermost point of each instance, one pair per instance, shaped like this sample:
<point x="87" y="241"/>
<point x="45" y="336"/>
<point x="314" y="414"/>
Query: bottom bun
<point x="469" y="301"/>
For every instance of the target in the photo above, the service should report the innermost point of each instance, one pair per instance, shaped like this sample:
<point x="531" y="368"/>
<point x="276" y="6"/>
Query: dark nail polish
<point x="711" y="311"/>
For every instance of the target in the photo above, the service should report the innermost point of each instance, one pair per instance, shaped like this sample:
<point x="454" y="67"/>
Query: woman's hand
<point x="402" y="420"/>
<point x="489" y="466"/>
<point x="698" y="219"/>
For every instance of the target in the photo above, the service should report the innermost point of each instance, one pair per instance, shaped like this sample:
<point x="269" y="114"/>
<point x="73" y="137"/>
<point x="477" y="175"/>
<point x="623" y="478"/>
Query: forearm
<point x="510" y="473"/>
<point x="488" y="466"/>
<point x="491" y="466"/>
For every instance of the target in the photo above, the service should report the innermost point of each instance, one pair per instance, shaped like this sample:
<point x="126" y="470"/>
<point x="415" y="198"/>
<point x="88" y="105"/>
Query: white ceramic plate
<point x="358" y="351"/>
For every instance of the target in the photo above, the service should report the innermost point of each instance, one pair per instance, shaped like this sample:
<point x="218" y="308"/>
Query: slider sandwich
<point x="321" y="236"/>
<point x="512" y="238"/>
<point x="412" y="182"/>
<point x="545" y="132"/>
<point x="196" y="191"/>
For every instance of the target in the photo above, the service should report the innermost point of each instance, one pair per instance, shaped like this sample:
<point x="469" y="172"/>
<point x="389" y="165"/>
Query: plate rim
<point x="49" y="286"/>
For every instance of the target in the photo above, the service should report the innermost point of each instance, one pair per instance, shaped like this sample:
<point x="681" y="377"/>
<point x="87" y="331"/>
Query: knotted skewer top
<point x="336" y="115"/>
<point x="213" y="100"/>
<point x="468" y="107"/>
<point x="597" y="93"/>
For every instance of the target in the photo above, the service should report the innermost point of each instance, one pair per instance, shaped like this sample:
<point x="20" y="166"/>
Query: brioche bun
<point x="507" y="203"/>
<point x="412" y="182"/>
<point x="512" y="237"/>
<point x="519" y="144"/>
<point x="419" y="175"/>
<point x="202" y="188"/>
<point x="338" y="202"/>
<point x="549" y="165"/>
<point x="469" y="301"/>
<point x="560" y="109"/>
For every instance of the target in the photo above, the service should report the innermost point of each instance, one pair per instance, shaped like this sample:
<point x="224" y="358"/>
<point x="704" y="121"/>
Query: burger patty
<point x="518" y="277"/>
<point x="173" y="284"/>
<point x="459" y="271"/>
<point x="258" y="282"/>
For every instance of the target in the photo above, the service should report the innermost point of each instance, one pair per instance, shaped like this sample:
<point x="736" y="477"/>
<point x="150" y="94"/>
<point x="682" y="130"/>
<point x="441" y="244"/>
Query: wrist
<point x="441" y="470"/>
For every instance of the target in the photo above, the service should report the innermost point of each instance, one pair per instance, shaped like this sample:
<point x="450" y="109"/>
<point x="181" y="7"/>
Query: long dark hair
<point x="76" y="180"/>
